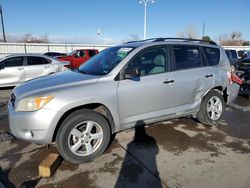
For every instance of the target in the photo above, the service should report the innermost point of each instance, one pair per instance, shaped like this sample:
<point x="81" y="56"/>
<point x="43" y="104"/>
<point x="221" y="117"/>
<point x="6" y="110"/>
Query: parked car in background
<point x="244" y="69"/>
<point x="233" y="57"/>
<point x="243" y="54"/>
<point x="16" y="69"/>
<point x="124" y="86"/>
<point x="78" y="57"/>
<point x="54" y="54"/>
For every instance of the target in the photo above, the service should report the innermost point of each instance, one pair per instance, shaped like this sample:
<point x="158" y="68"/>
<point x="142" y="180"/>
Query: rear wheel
<point x="211" y="109"/>
<point x="83" y="136"/>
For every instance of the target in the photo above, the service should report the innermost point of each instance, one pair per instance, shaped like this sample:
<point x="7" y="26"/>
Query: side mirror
<point x="131" y="73"/>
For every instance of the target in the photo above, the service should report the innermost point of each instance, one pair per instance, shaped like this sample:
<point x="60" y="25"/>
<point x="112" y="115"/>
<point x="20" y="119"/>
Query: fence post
<point x="25" y="49"/>
<point x="48" y="47"/>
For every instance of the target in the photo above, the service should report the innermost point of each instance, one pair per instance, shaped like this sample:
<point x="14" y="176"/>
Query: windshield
<point x="71" y="53"/>
<point x="106" y="61"/>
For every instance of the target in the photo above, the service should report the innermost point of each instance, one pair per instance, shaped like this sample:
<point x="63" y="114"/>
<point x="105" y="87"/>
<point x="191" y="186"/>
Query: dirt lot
<point x="177" y="153"/>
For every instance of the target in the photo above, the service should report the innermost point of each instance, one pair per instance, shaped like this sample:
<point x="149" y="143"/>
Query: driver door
<point x="152" y="95"/>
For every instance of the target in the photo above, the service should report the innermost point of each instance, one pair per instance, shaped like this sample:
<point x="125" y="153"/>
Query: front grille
<point x="13" y="99"/>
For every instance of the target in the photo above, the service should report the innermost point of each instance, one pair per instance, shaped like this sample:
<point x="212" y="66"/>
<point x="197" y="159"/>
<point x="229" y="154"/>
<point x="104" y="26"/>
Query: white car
<point x="16" y="69"/>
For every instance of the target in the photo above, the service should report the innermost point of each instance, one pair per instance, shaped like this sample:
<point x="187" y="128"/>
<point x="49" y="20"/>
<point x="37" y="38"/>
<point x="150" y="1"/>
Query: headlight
<point x="33" y="103"/>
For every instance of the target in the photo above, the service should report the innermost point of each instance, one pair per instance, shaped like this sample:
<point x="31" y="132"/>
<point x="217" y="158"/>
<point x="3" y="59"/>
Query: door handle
<point x="168" y="81"/>
<point x="209" y="76"/>
<point x="46" y="67"/>
<point x="19" y="68"/>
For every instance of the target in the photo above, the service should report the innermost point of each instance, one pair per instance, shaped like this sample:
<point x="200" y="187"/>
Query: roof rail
<point x="181" y="39"/>
<point x="185" y="39"/>
<point x="145" y="40"/>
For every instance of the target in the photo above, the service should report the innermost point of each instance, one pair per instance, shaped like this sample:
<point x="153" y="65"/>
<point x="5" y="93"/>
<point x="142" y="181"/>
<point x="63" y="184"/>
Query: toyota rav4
<point x="146" y="81"/>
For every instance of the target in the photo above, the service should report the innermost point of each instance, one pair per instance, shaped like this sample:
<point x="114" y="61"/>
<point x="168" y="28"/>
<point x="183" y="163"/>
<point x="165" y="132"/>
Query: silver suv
<point x="123" y="86"/>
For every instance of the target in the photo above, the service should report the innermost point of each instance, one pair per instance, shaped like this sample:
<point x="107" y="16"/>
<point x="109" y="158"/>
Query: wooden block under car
<point x="49" y="165"/>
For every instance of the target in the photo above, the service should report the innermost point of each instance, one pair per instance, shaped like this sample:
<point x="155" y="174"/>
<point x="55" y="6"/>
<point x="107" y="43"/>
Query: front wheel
<point x="211" y="109"/>
<point x="83" y="136"/>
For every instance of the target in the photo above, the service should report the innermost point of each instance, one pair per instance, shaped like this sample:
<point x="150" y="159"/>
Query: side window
<point x="151" y="61"/>
<point x="187" y="57"/>
<point x="13" y="62"/>
<point x="213" y="55"/>
<point x="92" y="53"/>
<point x="80" y="53"/>
<point x="32" y="60"/>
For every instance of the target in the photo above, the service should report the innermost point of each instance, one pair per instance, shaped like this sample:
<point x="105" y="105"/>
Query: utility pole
<point x="203" y="29"/>
<point x="1" y="12"/>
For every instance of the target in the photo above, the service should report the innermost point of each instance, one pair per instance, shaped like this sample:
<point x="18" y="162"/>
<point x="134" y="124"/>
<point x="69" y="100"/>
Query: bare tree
<point x="233" y="39"/>
<point x="132" y="37"/>
<point x="189" y="32"/>
<point x="29" y="38"/>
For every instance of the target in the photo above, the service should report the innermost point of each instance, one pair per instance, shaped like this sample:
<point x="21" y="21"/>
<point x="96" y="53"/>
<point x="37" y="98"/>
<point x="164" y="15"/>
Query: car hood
<point x="50" y="83"/>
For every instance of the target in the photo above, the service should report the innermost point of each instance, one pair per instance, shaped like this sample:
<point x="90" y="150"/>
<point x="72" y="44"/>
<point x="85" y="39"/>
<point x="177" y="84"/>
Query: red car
<point x="77" y="57"/>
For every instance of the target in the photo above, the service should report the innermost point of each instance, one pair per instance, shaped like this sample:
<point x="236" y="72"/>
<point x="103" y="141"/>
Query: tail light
<point x="233" y="77"/>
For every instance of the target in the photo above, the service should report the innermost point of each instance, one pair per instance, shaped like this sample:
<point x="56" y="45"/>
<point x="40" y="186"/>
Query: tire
<point x="83" y="136"/>
<point x="209" y="113"/>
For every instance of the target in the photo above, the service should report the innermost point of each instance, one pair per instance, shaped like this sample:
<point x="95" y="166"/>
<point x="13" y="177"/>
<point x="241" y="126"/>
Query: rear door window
<point x="187" y="57"/>
<point x="13" y="62"/>
<point x="32" y="60"/>
<point x="92" y="53"/>
<point x="213" y="55"/>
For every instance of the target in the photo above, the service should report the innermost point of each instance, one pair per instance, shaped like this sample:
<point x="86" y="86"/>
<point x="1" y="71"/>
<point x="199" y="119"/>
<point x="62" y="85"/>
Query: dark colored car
<point x="244" y="69"/>
<point x="78" y="57"/>
<point x="245" y="61"/>
<point x="242" y="54"/>
<point x="54" y="54"/>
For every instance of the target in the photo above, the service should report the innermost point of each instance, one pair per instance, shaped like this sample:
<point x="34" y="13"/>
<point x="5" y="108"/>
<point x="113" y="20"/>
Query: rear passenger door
<point x="36" y="66"/>
<point x="193" y="77"/>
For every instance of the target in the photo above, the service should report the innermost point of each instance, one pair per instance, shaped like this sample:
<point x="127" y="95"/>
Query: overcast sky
<point x="79" y="20"/>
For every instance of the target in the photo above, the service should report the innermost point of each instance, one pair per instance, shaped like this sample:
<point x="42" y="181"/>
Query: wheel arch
<point x="97" y="107"/>
<point x="223" y="92"/>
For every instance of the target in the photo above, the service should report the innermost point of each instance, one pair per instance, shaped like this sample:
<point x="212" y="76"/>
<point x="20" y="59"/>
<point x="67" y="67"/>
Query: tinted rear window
<point x="213" y="55"/>
<point x="187" y="57"/>
<point x="92" y="53"/>
<point x="33" y="60"/>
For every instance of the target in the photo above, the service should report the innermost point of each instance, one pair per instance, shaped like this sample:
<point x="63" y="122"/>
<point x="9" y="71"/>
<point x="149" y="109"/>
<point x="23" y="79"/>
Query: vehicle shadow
<point x="139" y="164"/>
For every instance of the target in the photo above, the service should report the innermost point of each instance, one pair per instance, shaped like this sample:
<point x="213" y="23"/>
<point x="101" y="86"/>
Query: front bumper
<point x="37" y="127"/>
